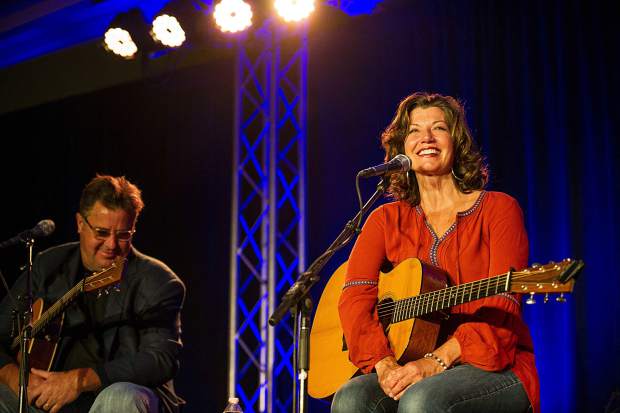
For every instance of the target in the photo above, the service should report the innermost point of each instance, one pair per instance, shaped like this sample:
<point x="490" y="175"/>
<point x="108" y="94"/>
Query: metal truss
<point x="268" y="208"/>
<point x="268" y="217"/>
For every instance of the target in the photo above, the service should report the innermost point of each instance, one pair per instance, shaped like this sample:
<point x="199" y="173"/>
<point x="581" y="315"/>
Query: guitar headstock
<point x="554" y="277"/>
<point x="106" y="277"/>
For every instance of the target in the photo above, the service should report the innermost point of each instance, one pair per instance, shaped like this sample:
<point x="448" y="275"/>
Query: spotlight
<point x="119" y="42"/>
<point x="294" y="10"/>
<point x="233" y="15"/>
<point x="125" y="33"/>
<point x="176" y="22"/>
<point x="167" y="30"/>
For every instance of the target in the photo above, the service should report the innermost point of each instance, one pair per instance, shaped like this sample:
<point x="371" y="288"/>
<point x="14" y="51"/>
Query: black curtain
<point x="172" y="136"/>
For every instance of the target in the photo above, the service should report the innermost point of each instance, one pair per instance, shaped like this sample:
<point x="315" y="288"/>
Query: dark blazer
<point x="141" y="326"/>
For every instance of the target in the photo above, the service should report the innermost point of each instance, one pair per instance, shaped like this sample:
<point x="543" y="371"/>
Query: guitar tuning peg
<point x="99" y="294"/>
<point x="546" y="298"/>
<point x="106" y="291"/>
<point x="116" y="287"/>
<point x="560" y="298"/>
<point x="530" y="299"/>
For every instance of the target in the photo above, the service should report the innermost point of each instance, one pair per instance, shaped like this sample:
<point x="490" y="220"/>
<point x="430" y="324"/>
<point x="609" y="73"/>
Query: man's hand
<point x="9" y="375"/>
<point x="57" y="389"/>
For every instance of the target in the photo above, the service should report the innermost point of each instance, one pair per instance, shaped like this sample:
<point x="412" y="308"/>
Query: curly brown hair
<point x="470" y="171"/>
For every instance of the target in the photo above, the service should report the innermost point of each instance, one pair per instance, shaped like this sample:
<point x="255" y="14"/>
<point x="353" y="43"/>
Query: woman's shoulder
<point x="395" y="207"/>
<point x="500" y="198"/>
<point x="500" y="205"/>
<point x="393" y="211"/>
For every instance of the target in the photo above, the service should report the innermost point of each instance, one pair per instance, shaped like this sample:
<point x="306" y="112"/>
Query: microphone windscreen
<point x="44" y="228"/>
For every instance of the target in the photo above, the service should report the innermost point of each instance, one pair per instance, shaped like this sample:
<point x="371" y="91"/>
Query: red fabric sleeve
<point x="490" y="342"/>
<point x="363" y="332"/>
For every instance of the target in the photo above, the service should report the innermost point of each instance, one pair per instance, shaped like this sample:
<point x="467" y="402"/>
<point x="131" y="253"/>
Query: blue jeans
<point x="116" y="398"/>
<point x="463" y="388"/>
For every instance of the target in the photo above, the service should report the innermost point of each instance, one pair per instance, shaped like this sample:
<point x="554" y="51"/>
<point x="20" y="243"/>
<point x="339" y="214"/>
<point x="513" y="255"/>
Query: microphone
<point x="399" y="163"/>
<point x="42" y="229"/>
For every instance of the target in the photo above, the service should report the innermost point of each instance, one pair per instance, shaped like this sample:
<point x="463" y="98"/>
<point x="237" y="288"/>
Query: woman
<point x="444" y="217"/>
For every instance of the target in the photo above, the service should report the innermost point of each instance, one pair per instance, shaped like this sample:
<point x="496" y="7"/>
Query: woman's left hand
<point x="409" y="374"/>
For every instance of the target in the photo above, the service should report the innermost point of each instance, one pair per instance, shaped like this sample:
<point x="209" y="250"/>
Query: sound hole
<point x="385" y="315"/>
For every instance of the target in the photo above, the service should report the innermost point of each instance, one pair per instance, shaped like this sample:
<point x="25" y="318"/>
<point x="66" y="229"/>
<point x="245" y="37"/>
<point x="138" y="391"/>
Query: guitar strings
<point x="436" y="300"/>
<point x="419" y="305"/>
<point x="59" y="305"/>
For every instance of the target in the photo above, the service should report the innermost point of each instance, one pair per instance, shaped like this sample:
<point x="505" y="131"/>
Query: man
<point x="118" y="351"/>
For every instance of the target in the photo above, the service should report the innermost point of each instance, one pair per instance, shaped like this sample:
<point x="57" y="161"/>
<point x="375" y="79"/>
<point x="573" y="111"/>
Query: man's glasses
<point x="105" y="233"/>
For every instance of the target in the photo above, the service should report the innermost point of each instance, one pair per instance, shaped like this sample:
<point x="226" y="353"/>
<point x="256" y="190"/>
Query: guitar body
<point x="409" y="339"/>
<point x="44" y="345"/>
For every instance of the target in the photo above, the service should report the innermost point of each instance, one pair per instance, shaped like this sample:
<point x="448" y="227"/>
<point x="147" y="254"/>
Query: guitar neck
<point x="427" y="303"/>
<point x="52" y="312"/>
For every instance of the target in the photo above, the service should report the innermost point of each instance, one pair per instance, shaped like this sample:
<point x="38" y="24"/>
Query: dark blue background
<point x="539" y="81"/>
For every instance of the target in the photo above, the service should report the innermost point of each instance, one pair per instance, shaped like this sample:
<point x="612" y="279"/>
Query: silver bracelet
<point x="437" y="359"/>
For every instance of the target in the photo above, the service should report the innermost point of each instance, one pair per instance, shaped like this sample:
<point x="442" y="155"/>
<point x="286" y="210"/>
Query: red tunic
<point x="486" y="240"/>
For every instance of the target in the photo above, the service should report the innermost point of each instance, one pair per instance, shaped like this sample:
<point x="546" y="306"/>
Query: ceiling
<point x="32" y="28"/>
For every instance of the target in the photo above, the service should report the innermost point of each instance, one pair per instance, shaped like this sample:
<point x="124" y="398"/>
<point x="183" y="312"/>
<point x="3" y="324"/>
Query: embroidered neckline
<point x="473" y="207"/>
<point x="437" y="240"/>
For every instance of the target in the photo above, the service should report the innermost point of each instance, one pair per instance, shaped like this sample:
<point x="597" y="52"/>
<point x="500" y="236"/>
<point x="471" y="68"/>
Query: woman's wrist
<point x="442" y="364"/>
<point x="384" y="363"/>
<point x="449" y="352"/>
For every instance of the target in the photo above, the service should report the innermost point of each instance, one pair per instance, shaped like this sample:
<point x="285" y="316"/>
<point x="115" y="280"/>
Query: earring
<point x="456" y="177"/>
<point x="409" y="178"/>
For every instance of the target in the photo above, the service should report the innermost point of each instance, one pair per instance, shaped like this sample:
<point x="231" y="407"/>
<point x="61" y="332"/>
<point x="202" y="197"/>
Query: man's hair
<point x="469" y="167"/>
<point x="114" y="193"/>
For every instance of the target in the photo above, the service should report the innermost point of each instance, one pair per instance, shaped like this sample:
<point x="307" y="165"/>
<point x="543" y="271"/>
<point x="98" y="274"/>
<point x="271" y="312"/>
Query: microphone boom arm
<point x="308" y="278"/>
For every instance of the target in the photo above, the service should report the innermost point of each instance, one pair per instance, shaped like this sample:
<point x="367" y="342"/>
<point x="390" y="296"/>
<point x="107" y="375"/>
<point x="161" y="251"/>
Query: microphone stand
<point x="26" y="334"/>
<point x="299" y="291"/>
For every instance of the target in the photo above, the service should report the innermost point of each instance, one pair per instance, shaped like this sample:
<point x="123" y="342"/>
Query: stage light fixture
<point x="176" y="22"/>
<point x="294" y="10"/>
<point x="168" y="31"/>
<point x="126" y="34"/>
<point x="233" y="15"/>
<point x="119" y="42"/>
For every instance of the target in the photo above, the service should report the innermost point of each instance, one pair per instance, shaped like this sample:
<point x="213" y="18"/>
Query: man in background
<point x="118" y="351"/>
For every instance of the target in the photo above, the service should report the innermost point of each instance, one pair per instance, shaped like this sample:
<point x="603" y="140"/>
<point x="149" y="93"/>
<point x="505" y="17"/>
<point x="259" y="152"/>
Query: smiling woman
<point x="427" y="122"/>
<point x="428" y="143"/>
<point x="444" y="217"/>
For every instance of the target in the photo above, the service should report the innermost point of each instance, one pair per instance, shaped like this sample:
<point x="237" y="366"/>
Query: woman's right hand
<point x="385" y="369"/>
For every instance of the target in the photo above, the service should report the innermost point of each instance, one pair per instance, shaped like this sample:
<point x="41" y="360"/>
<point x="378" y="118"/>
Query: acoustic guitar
<point x="47" y="323"/>
<point x="411" y="298"/>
